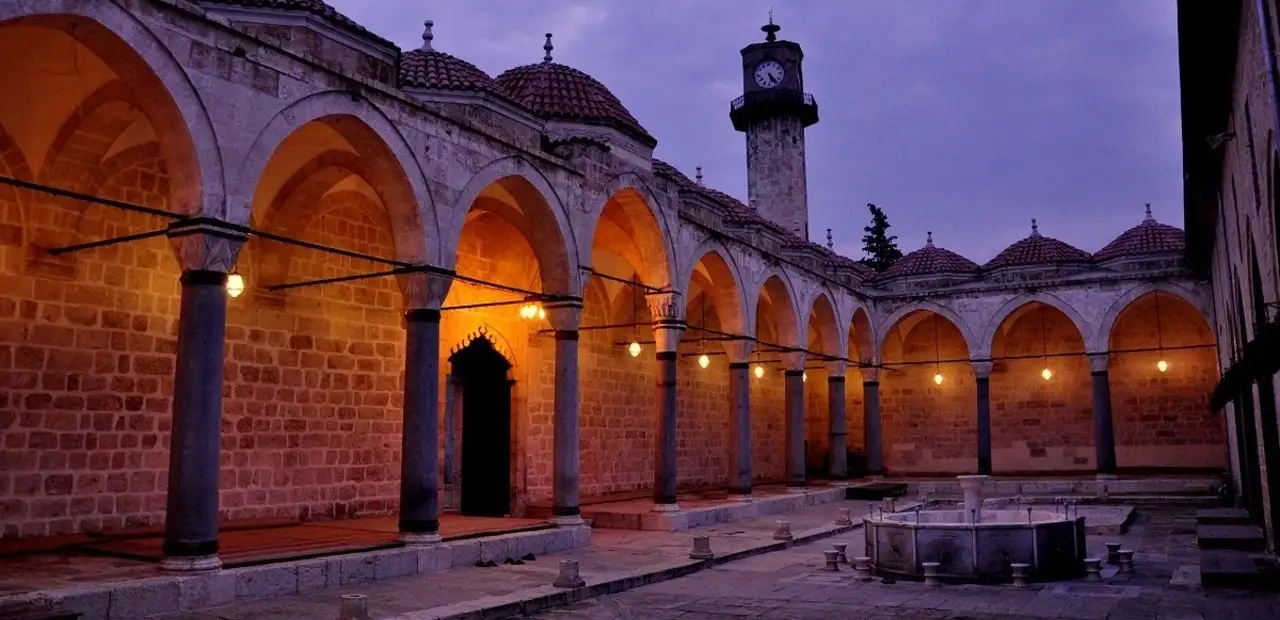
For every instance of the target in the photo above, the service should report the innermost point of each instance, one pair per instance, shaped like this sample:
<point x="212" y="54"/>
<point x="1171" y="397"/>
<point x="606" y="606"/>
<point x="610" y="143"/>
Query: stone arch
<point x="162" y="88"/>
<point x="730" y="294"/>
<point x="1101" y="339"/>
<point x="821" y="317"/>
<point x="549" y="231"/>
<point x="862" y="339"/>
<point x="987" y="340"/>
<point x="490" y="333"/>
<point x="891" y="321"/>
<point x="643" y="221"/>
<point x="785" y="314"/>
<point x="397" y="175"/>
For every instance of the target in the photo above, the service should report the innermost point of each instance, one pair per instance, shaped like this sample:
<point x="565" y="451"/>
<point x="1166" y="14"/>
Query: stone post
<point x="564" y="318"/>
<point x="982" y="374"/>
<point x="739" y="420"/>
<point x="794" y="402"/>
<point x="871" y="431"/>
<point x="207" y="251"/>
<point x="420" y="439"/>
<point x="1104" y="438"/>
<point x="667" y="327"/>
<point x="837" y="425"/>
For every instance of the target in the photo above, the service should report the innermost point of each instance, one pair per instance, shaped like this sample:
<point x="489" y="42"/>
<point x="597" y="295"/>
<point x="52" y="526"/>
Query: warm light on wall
<point x="1047" y="374"/>
<point x="804" y="377"/>
<point x="759" y="371"/>
<point x="703" y="360"/>
<point x="634" y="349"/>
<point x="235" y="285"/>
<point x="1162" y="365"/>
<point x="937" y="379"/>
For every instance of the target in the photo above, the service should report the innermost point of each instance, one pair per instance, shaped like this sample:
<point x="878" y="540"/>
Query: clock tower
<point x="774" y="111"/>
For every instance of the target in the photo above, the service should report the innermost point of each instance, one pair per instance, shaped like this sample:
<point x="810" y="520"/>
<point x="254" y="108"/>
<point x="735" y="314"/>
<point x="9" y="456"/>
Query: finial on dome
<point x="1035" y="228"/>
<point x="831" y="244"/>
<point x="427" y="36"/>
<point x="548" y="47"/>
<point x="771" y="29"/>
<point x="928" y="240"/>
<point x="699" y="175"/>
<point x="1149" y="218"/>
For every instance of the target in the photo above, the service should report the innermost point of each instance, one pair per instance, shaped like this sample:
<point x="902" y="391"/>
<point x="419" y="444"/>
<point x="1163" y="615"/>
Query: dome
<point x="930" y="261"/>
<point x="558" y="92"/>
<point x="433" y="70"/>
<point x="1038" y="249"/>
<point x="1150" y="238"/>
<point x="318" y="8"/>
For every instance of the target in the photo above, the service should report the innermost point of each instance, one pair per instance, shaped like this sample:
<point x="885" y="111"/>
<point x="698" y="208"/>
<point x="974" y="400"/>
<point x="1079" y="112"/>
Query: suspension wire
<point x="1004" y="358"/>
<point x="66" y="193"/>
<point x="649" y="290"/>
<point x="107" y="242"/>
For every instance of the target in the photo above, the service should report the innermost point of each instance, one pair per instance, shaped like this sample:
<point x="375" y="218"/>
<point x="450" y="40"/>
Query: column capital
<point x="870" y="375"/>
<point x="564" y="316"/>
<point x="837" y="368"/>
<point x="793" y="360"/>
<point x="424" y="290"/>
<point x="739" y="351"/>
<point x="1098" y="362"/>
<point x="206" y="244"/>
<point x="982" y="370"/>
<point x="665" y="307"/>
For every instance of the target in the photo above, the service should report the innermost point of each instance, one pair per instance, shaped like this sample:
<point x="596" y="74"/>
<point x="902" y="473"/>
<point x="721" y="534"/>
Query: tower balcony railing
<point x="762" y="103"/>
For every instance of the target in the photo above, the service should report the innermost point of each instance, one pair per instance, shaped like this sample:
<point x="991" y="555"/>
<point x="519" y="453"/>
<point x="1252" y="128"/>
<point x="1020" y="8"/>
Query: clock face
<point x="769" y="74"/>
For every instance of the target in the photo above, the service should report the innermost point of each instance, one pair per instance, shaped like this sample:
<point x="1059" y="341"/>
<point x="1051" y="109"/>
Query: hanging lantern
<point x="634" y="349"/>
<point x="542" y="312"/>
<point x="235" y="285"/>
<point x="804" y="377"/>
<point x="532" y="310"/>
<point x="703" y="360"/>
<point x="1162" y="365"/>
<point x="1046" y="373"/>
<point x="759" y="371"/>
<point x="937" y="379"/>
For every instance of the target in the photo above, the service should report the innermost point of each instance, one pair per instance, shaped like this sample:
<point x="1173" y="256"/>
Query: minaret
<point x="774" y="111"/>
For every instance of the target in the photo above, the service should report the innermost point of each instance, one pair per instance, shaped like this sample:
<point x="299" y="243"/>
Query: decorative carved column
<point x="871" y="426"/>
<point x="667" y="327"/>
<point x="564" y="318"/>
<point x="837" y="425"/>
<point x="207" y="251"/>
<point x="419" y="522"/>
<point x="1104" y="438"/>
<point x="794" y="404"/>
<point x="982" y="373"/>
<point x="739" y="420"/>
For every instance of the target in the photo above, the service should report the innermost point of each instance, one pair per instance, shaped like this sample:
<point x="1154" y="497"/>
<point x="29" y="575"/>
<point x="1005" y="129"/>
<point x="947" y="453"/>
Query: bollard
<point x="833" y="562"/>
<point x="840" y="552"/>
<point x="702" y="548"/>
<point x="842" y="517"/>
<point x="1093" y="569"/>
<point x="783" y="532"/>
<point x="1019" y="574"/>
<point x="1113" y="552"/>
<point x="353" y="607"/>
<point x="569" y="577"/>
<point x="1126" y="561"/>
<point x="931" y="573"/>
<point x="862" y="569"/>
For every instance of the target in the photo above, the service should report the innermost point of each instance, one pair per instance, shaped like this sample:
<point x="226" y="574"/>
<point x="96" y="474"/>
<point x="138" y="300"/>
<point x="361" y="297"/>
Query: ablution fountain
<point x="971" y="544"/>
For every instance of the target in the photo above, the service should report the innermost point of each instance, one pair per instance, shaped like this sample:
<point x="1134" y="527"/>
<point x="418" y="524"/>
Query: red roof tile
<point x="318" y="8"/>
<point x="1146" y="239"/>
<point x="1038" y="249"/>
<point x="558" y="92"/>
<point x="929" y="261"/>
<point x="435" y="70"/>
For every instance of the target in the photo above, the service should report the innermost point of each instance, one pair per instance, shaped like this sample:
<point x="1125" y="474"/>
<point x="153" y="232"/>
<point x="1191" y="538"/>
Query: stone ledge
<point x="628" y="517"/>
<point x="171" y="594"/>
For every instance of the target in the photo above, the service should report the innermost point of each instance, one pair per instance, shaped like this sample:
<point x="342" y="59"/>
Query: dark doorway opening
<point x="1247" y="431"/>
<point x="486" y="428"/>
<point x="1266" y="408"/>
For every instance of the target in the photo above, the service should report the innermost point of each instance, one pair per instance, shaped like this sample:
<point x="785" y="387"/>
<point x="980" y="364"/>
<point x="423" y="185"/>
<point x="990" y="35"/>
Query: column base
<point x="420" y="539"/>
<point x="666" y="508"/>
<point x="567" y="520"/>
<point x="740" y="498"/>
<point x="1106" y="477"/>
<point x="190" y="564"/>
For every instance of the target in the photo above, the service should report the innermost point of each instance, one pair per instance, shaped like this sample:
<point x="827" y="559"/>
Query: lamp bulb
<point x="804" y="377"/>
<point x="1162" y="365"/>
<point x="703" y="360"/>
<point x="937" y="379"/>
<point x="759" y="371"/>
<point x="1047" y="374"/>
<point x="235" y="285"/>
<point x="634" y="349"/>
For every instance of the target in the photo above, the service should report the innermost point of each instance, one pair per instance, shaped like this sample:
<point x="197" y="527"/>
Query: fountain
<point x="973" y="544"/>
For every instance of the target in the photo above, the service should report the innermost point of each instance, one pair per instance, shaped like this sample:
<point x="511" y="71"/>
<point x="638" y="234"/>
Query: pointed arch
<point x="863" y="343"/>
<point x="777" y="291"/>
<point x="486" y="332"/>
<point x="888" y="323"/>
<point x="722" y="270"/>
<point x="629" y="204"/>
<point x="821" y="318"/>
<point x="987" y="341"/>
<point x="1102" y="337"/>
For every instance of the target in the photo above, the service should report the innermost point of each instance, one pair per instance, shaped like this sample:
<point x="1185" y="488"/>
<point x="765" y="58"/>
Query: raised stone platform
<point x="1235" y="537"/>
<point x="1117" y="488"/>
<point x="1222" y="516"/>
<point x="698" y="511"/>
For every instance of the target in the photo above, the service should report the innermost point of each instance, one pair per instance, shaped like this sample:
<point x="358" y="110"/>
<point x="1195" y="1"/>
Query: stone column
<point x="739" y="420"/>
<point x="871" y="427"/>
<point x="564" y="318"/>
<point x="982" y="374"/>
<point x="667" y="327"/>
<point x="419" y="522"/>
<point x="794" y="400"/>
<point x="837" y="425"/>
<point x="207" y="252"/>
<point x="1104" y="437"/>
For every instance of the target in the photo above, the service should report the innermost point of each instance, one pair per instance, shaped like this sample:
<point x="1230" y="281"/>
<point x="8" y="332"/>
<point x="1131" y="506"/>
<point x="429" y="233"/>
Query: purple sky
<point x="964" y="117"/>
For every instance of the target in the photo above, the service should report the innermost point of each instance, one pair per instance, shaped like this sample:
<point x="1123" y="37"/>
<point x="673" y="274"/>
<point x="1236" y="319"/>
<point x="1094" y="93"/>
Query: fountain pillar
<point x="982" y="374"/>
<point x="972" y="487"/>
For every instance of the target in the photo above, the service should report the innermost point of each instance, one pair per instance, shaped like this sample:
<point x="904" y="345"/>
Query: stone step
<point x="1237" y="571"/>
<point x="875" y="490"/>
<point x="1222" y="516"/>
<point x="1232" y="537"/>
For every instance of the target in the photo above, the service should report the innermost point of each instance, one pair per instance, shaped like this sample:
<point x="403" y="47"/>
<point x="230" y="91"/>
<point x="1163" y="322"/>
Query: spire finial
<point x="831" y="244"/>
<point x="928" y="240"/>
<point x="1149" y="218"/>
<point x="1035" y="228"/>
<point x="771" y="29"/>
<point x="427" y="36"/>
<point x="699" y="176"/>
<point x="548" y="47"/>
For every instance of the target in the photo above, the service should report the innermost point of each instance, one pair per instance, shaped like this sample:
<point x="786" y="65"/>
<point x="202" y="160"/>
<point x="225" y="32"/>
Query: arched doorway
<point x="481" y="373"/>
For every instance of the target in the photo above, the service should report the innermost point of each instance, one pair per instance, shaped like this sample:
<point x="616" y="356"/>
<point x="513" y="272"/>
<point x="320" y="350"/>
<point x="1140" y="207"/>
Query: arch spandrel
<point x="885" y="326"/>
<point x="987" y="339"/>
<point x="1100" y="340"/>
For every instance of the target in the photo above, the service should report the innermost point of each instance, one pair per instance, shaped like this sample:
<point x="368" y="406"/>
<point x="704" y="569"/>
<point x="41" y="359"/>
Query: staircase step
<point x="1235" y="570"/>
<point x="1233" y="537"/>
<point x="1222" y="516"/>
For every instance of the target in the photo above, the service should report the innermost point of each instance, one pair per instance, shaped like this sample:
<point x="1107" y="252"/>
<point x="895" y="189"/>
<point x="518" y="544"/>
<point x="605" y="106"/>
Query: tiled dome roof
<point x="1146" y="239"/>
<point x="929" y="261"/>
<point x="435" y="70"/>
<point x="319" y="8"/>
<point x="559" y="92"/>
<point x="1038" y="249"/>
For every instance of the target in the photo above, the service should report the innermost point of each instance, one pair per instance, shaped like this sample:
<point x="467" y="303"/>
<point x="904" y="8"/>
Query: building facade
<point x="1230" y="115"/>
<point x="259" y="262"/>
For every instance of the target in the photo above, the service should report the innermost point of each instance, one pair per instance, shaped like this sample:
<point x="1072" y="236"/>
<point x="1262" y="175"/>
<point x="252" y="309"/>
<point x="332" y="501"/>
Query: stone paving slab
<point x="696" y="513"/>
